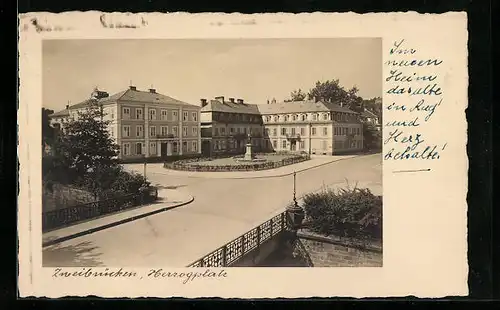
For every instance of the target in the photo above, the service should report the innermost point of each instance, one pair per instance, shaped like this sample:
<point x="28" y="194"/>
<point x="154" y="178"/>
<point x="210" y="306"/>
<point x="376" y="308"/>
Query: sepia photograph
<point x="212" y="152"/>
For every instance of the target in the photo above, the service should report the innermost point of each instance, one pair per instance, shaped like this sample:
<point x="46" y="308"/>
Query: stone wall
<point x="321" y="251"/>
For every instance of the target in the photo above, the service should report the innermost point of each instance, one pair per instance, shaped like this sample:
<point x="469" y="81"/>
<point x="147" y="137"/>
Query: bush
<point x="355" y="213"/>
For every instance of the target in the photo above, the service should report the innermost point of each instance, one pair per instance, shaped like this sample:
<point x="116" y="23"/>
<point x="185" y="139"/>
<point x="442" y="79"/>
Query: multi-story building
<point x="144" y="123"/>
<point x="314" y="127"/>
<point x="225" y="125"/>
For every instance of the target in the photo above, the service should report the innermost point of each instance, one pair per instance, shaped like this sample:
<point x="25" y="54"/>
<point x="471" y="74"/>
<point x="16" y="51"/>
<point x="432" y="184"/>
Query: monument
<point x="249" y="153"/>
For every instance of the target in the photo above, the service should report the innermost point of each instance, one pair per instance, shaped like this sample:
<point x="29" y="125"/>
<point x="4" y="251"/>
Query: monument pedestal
<point x="248" y="153"/>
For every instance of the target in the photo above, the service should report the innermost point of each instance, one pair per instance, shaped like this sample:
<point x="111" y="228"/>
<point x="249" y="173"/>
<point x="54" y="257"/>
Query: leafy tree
<point x="372" y="137"/>
<point x="48" y="132"/>
<point x="86" y="144"/>
<point x="297" y="95"/>
<point x="334" y="92"/>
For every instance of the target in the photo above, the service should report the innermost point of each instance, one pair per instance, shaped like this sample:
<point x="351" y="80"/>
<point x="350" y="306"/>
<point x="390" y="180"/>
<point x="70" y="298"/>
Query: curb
<point x="102" y="227"/>
<point x="276" y="175"/>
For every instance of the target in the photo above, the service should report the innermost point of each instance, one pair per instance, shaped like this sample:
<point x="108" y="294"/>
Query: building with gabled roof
<point x="143" y="123"/>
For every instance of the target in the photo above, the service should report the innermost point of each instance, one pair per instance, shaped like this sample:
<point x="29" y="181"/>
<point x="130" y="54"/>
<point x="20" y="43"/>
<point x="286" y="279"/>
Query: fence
<point x="233" y="251"/>
<point x="70" y="215"/>
<point x="190" y="165"/>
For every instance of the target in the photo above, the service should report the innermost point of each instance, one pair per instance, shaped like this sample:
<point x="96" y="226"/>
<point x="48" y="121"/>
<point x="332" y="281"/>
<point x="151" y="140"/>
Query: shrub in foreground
<point x="355" y="213"/>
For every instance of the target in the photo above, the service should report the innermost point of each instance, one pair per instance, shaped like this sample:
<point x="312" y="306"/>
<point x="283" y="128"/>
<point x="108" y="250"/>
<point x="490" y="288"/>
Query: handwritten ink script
<point x="416" y="94"/>
<point x="184" y="277"/>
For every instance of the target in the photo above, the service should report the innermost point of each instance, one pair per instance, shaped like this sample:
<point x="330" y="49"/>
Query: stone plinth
<point x="248" y="153"/>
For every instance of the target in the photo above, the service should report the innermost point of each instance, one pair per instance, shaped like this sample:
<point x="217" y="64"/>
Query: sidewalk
<point x="167" y="199"/>
<point x="314" y="162"/>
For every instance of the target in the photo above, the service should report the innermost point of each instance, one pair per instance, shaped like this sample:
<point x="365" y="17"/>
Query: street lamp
<point x="295" y="213"/>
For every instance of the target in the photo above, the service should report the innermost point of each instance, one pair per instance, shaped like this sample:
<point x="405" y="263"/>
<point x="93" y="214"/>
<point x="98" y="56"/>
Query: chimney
<point x="67" y="106"/>
<point x="220" y="98"/>
<point x="231" y="100"/>
<point x="267" y="101"/>
<point x="240" y="101"/>
<point x="152" y="90"/>
<point x="133" y="88"/>
<point x="203" y="102"/>
<point x="274" y="100"/>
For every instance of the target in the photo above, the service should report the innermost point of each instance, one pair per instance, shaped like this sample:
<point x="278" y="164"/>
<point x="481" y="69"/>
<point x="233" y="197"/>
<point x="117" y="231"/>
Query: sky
<point x="252" y="69"/>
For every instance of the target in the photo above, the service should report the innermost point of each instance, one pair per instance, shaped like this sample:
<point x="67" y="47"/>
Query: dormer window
<point x="294" y="117"/>
<point x="315" y="117"/>
<point x="285" y="118"/>
<point x="276" y="118"/>
<point x="304" y="117"/>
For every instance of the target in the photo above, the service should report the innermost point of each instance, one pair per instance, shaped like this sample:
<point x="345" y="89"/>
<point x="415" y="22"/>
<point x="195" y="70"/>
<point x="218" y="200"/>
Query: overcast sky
<point x="255" y="70"/>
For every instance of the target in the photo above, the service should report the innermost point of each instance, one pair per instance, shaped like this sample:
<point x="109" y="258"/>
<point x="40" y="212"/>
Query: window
<point x="174" y="131"/>
<point x="185" y="116"/>
<point x="275" y="143"/>
<point x="152" y="131"/>
<point x="126" y="149"/>
<point x="325" y="116"/>
<point x="304" y="117"/>
<point x="231" y="130"/>
<point x="325" y="131"/>
<point x="139" y="131"/>
<point x="285" y="118"/>
<point x="184" y="146"/>
<point x="276" y="118"/>
<point x="315" y="117"/>
<point x="138" y="113"/>
<point x="164" y="130"/>
<point x="294" y="117"/>
<point x="112" y="133"/>
<point x="313" y="131"/>
<point x="194" y="146"/>
<point x="302" y="131"/>
<point x="358" y="131"/>
<point x="223" y="131"/>
<point x="302" y="145"/>
<point x="283" y="144"/>
<point x="164" y="114"/>
<point x="174" y="147"/>
<point x="152" y="148"/>
<point x="275" y="132"/>
<point x="293" y="131"/>
<point x="126" y="112"/>
<point x="268" y="118"/>
<point x="184" y="131"/>
<point x="194" y="115"/>
<point x="245" y="130"/>
<point x="126" y="131"/>
<point x="174" y="115"/>
<point x="112" y="113"/>
<point x="152" y="114"/>
<point x="283" y="131"/>
<point x="194" y="131"/>
<point x="267" y="132"/>
<point x="323" y="144"/>
<point x="216" y="131"/>
<point x="345" y="131"/>
<point x="138" y="148"/>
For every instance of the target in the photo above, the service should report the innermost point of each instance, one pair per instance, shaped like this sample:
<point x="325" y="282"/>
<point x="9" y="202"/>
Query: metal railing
<point x="233" y="251"/>
<point x="70" y="215"/>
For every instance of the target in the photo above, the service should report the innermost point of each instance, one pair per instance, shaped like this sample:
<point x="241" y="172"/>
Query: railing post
<point x="282" y="221"/>
<point x="242" y="245"/>
<point x="258" y="236"/>
<point x="224" y="260"/>
<point x="271" y="226"/>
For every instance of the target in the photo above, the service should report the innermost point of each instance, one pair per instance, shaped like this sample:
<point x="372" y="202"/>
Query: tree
<point x="48" y="132"/>
<point x="86" y="144"/>
<point x="372" y="137"/>
<point x="332" y="91"/>
<point x="297" y="95"/>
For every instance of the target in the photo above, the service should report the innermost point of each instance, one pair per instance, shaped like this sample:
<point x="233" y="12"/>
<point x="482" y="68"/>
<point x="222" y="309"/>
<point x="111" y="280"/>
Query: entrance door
<point x="163" y="149"/>
<point x="205" y="148"/>
<point x="293" y="145"/>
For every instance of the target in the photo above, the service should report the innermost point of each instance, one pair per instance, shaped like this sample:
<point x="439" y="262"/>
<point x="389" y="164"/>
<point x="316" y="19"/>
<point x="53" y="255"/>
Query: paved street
<point x="225" y="206"/>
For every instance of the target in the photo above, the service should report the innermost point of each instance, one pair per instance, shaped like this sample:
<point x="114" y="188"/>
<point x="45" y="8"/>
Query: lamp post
<point x="295" y="212"/>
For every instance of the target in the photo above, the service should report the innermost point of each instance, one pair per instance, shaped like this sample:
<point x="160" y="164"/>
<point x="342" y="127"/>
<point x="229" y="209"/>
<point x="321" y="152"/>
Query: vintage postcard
<point x="162" y="155"/>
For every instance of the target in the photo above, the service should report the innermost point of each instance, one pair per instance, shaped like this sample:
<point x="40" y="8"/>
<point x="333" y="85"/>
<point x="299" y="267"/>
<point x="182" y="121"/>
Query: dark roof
<point x="127" y="95"/>
<point x="302" y="107"/>
<point x="230" y="107"/>
<point x="64" y="112"/>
